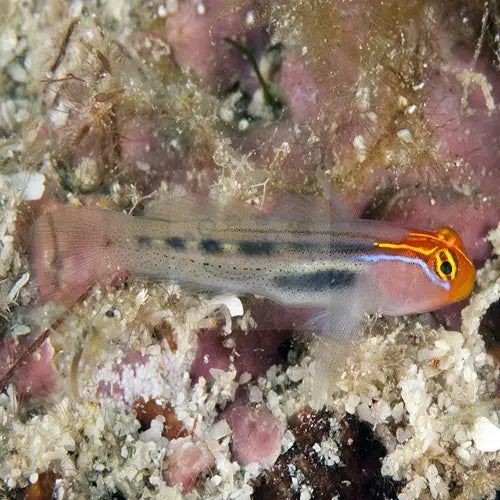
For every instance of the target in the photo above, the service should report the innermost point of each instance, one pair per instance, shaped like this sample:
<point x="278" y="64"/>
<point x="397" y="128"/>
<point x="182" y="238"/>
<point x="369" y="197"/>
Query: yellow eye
<point x="445" y="265"/>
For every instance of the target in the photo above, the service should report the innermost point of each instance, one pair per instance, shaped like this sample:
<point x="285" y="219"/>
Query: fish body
<point x="338" y="268"/>
<point x="294" y="258"/>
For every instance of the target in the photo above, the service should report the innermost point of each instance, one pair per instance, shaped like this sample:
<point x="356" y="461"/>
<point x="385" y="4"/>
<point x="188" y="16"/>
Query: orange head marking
<point x="445" y="255"/>
<point x="442" y="253"/>
<point x="451" y="263"/>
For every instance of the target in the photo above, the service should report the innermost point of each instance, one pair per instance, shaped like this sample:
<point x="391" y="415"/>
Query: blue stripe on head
<point x="408" y="260"/>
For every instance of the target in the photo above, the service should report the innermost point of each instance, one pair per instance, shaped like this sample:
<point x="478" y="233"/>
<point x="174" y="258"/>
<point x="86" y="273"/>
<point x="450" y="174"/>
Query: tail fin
<point x="72" y="248"/>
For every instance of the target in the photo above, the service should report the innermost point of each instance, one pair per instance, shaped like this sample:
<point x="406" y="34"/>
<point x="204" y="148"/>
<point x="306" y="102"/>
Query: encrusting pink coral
<point x="252" y="352"/>
<point x="257" y="435"/>
<point x="185" y="461"/>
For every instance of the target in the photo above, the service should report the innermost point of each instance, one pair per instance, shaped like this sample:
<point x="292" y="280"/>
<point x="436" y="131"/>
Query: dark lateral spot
<point x="316" y="281"/>
<point x="255" y="247"/>
<point x="210" y="246"/>
<point x="176" y="243"/>
<point x="108" y="242"/>
<point x="144" y="242"/>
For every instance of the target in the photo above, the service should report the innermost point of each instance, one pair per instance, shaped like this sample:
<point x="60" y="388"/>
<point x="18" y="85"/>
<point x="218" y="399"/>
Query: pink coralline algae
<point x="257" y="435"/>
<point x="185" y="461"/>
<point x="252" y="352"/>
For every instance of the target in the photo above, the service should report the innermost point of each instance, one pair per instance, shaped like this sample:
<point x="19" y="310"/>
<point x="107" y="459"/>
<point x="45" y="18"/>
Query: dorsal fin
<point x="289" y="208"/>
<point x="336" y="205"/>
<point x="194" y="208"/>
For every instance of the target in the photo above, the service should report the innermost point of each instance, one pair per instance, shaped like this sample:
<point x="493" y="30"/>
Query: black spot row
<point x="211" y="246"/>
<point x="247" y="247"/>
<point x="173" y="242"/>
<point x="176" y="243"/>
<point x="144" y="242"/>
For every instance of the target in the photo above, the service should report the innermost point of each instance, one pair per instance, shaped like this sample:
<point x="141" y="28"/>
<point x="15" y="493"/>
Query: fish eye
<point x="446" y="268"/>
<point x="445" y="265"/>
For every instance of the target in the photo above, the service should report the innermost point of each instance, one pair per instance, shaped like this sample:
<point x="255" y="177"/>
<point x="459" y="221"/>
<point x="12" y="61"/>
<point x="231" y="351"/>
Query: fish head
<point x="451" y="264"/>
<point x="423" y="272"/>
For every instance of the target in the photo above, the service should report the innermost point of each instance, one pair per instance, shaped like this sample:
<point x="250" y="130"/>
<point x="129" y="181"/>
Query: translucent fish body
<point x="297" y="260"/>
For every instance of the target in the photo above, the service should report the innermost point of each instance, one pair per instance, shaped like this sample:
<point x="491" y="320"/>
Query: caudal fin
<point x="71" y="249"/>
